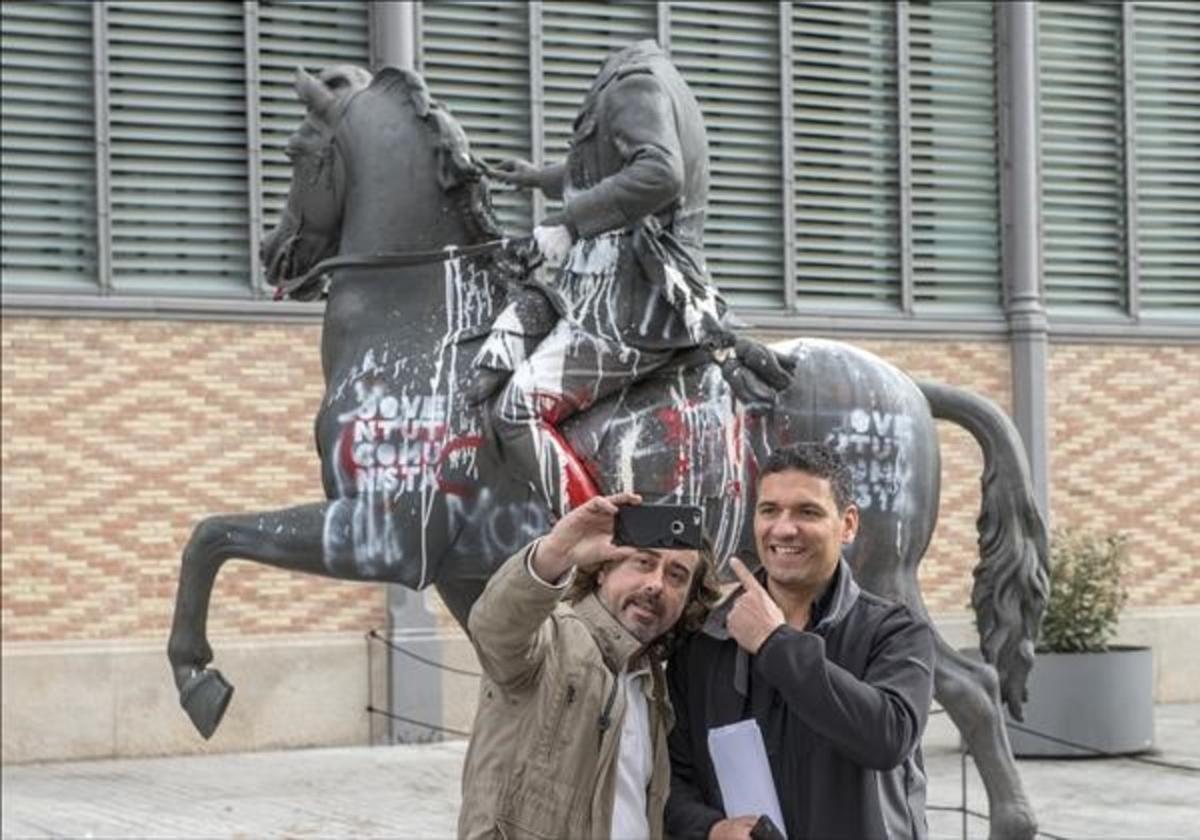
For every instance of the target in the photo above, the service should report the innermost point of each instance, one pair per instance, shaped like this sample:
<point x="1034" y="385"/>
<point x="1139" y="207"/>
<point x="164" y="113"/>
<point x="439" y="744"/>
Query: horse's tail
<point x="1012" y="578"/>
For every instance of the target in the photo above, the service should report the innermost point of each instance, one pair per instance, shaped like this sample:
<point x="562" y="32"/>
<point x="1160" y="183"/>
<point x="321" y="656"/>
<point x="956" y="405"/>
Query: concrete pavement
<point x="1118" y="798"/>
<point x="413" y="792"/>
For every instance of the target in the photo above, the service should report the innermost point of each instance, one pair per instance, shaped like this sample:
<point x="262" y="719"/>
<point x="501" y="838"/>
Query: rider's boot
<point x="564" y="482"/>
<point x="526" y="427"/>
<point x="523" y="322"/>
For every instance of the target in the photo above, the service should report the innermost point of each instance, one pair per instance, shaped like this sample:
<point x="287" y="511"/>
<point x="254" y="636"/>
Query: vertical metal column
<point x="393" y="34"/>
<point x="787" y="156"/>
<point x="904" y="160"/>
<point x="664" y="26"/>
<point x="254" y="179"/>
<point x="537" y="107"/>
<point x="414" y="689"/>
<point x="104" y="242"/>
<point x="1133" y="261"/>
<point x="1022" y="236"/>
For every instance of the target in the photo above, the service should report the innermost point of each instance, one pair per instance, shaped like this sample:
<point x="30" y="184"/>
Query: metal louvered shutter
<point x="177" y="102"/>
<point x="845" y="148"/>
<point x="47" y="148"/>
<point x="475" y="58"/>
<point x="729" y="54"/>
<point x="1083" y="196"/>
<point x="1167" y="130"/>
<point x="313" y="35"/>
<point x="576" y="38"/>
<point x="955" y="197"/>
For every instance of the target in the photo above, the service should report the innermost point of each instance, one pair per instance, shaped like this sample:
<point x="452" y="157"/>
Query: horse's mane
<point x="459" y="173"/>
<point x="394" y="81"/>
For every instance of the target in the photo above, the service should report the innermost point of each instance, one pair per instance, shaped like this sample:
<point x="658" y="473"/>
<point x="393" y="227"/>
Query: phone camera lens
<point x="677" y="527"/>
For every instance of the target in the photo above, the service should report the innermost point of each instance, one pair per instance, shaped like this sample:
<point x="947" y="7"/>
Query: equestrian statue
<point x="469" y="400"/>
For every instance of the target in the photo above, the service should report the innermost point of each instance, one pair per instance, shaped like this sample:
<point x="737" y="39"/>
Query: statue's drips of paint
<point x="468" y="403"/>
<point x="633" y="291"/>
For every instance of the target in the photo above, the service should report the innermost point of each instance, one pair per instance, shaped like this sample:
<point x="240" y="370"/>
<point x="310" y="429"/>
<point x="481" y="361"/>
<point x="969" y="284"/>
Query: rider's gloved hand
<point x="775" y="369"/>
<point x="749" y="390"/>
<point x="520" y="173"/>
<point x="554" y="241"/>
<point x="755" y="372"/>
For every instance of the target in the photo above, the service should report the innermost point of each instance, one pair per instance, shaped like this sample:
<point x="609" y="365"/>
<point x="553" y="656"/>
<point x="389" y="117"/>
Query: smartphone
<point x="765" y="829"/>
<point x="660" y="526"/>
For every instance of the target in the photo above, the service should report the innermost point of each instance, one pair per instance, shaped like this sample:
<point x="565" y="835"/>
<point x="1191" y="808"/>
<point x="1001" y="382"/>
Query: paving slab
<point x="413" y="792"/>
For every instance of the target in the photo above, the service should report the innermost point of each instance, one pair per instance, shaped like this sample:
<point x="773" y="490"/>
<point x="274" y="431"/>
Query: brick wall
<point x="118" y="436"/>
<point x="1125" y="456"/>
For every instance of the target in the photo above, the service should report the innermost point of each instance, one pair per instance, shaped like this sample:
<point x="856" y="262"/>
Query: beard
<point x="642" y="616"/>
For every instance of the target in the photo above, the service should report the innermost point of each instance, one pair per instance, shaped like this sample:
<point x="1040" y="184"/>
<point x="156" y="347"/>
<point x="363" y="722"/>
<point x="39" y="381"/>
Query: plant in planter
<point x="1085" y="696"/>
<point x="1086" y="592"/>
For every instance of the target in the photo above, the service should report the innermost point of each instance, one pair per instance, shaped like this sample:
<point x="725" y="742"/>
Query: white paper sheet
<point x="739" y="758"/>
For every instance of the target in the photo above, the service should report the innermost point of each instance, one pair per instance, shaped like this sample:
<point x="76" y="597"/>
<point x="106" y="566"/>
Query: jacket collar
<point x="833" y="605"/>
<point x="617" y="645"/>
<point x="829" y="609"/>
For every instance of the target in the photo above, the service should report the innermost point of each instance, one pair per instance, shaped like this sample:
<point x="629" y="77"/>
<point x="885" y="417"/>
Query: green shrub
<point x="1086" y="592"/>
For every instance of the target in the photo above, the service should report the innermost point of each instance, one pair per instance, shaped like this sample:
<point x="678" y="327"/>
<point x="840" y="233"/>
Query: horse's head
<point x="310" y="227"/>
<point x="381" y="151"/>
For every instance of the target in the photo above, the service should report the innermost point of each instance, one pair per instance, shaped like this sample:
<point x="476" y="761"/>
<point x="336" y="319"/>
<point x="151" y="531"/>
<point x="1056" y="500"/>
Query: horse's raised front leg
<point x="288" y="539"/>
<point x="969" y="690"/>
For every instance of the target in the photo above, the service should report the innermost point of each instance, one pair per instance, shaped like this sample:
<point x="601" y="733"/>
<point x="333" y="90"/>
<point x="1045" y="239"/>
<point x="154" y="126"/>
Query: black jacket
<point x="842" y="708"/>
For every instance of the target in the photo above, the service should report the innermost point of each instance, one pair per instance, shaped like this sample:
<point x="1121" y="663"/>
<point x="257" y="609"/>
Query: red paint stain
<point x="345" y="451"/>
<point x="552" y="409"/>
<point x="674" y="427"/>
<point x="675" y="433"/>
<point x="580" y="486"/>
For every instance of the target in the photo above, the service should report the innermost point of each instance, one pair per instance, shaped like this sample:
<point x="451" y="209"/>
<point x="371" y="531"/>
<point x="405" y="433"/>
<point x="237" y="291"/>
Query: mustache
<point x="649" y="601"/>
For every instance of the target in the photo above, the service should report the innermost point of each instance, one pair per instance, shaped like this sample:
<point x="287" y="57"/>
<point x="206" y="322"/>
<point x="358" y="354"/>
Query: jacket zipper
<point x="605" y="720"/>
<point x="558" y="719"/>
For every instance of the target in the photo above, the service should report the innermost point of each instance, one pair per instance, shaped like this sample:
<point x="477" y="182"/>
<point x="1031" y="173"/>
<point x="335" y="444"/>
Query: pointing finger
<point x="743" y="574"/>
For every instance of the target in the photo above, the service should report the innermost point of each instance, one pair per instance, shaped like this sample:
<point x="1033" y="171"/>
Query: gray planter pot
<point x="1102" y="700"/>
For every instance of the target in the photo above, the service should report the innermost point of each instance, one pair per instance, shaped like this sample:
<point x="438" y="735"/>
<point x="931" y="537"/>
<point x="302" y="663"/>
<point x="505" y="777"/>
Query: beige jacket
<point x="543" y="755"/>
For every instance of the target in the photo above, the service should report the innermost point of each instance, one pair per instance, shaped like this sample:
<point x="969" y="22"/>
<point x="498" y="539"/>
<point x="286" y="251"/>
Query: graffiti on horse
<point x="387" y="200"/>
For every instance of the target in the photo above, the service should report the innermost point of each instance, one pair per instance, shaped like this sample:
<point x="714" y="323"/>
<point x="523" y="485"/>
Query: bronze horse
<point x="415" y="490"/>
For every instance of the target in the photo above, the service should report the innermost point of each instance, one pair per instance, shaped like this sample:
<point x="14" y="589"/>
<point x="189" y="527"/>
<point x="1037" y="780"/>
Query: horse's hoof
<point x="205" y="696"/>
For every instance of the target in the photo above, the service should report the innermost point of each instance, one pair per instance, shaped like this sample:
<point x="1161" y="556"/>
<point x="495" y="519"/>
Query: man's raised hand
<point x="584" y="537"/>
<point x="755" y="615"/>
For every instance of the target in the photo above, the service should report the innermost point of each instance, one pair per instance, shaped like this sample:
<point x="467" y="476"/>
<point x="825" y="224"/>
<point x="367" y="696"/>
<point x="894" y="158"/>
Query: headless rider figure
<point x="632" y="288"/>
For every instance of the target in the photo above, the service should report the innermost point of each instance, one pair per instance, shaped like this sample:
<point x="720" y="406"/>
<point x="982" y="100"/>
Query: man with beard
<point x="570" y="733"/>
<point x="838" y="680"/>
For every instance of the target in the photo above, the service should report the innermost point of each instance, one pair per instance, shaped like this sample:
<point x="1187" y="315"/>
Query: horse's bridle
<point x="397" y="259"/>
